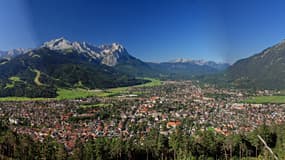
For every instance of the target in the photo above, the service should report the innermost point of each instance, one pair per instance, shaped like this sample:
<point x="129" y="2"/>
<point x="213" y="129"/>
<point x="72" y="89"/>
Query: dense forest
<point x="203" y="145"/>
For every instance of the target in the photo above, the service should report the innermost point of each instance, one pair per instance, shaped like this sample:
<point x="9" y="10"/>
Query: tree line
<point x="177" y="146"/>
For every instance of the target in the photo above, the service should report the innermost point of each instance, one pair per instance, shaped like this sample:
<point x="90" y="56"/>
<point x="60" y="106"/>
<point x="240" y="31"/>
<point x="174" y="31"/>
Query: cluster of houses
<point x="166" y="108"/>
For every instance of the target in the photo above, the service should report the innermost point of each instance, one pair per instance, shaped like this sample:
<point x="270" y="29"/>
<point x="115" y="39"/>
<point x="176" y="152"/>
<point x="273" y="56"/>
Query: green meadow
<point x="266" y="99"/>
<point x="83" y="93"/>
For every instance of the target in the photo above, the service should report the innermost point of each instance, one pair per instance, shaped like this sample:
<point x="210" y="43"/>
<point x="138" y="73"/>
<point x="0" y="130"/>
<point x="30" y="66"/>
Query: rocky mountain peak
<point x="113" y="53"/>
<point x="109" y="54"/>
<point x="58" y="44"/>
<point x="112" y="48"/>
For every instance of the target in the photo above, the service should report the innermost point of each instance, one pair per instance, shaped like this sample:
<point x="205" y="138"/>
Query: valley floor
<point x="166" y="120"/>
<point x="74" y="93"/>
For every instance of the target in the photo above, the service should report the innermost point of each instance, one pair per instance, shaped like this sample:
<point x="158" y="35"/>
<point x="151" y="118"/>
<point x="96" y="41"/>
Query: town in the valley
<point x="173" y="104"/>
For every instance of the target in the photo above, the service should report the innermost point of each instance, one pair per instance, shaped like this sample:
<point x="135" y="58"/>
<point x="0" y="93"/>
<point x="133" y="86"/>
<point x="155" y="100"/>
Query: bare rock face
<point x="112" y="54"/>
<point x="109" y="55"/>
<point x="58" y="44"/>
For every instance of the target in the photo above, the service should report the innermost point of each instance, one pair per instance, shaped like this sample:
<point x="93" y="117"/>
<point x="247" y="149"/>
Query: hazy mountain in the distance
<point x="12" y="53"/>
<point x="213" y="64"/>
<point x="182" y="68"/>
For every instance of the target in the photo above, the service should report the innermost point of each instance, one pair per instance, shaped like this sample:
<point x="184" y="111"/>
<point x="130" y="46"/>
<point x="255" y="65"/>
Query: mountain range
<point x="60" y="63"/>
<point x="187" y="68"/>
<point x="12" y="53"/>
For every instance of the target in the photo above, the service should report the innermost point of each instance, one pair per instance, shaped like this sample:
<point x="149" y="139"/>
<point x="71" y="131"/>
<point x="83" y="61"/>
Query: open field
<point x="74" y="93"/>
<point x="2" y="99"/>
<point x="154" y="82"/>
<point x="81" y="93"/>
<point x="123" y="90"/>
<point x="96" y="105"/>
<point x="266" y="99"/>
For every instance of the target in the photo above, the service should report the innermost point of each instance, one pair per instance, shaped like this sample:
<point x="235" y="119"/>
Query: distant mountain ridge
<point x="187" y="68"/>
<point x="216" y="65"/>
<point x="13" y="53"/>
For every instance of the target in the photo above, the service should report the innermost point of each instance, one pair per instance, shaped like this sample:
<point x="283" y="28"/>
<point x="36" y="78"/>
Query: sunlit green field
<point x="122" y="90"/>
<point x="96" y="105"/>
<point x="266" y="99"/>
<point x="23" y="99"/>
<point x="82" y="93"/>
<point x="73" y="93"/>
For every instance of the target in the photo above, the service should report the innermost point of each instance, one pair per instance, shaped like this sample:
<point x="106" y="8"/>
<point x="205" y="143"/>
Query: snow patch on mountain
<point x="217" y="65"/>
<point x="106" y="54"/>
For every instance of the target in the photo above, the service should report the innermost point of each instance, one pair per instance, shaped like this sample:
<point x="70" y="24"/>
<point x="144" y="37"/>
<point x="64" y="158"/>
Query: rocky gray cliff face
<point x="109" y="55"/>
<point x="112" y="54"/>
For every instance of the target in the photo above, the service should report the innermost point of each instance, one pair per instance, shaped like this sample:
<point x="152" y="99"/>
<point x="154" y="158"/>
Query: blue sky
<point x="152" y="30"/>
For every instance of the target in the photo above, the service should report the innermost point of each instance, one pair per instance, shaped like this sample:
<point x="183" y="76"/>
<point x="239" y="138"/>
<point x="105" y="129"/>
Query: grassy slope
<point x="81" y="93"/>
<point x="37" y="78"/>
<point x="13" y="80"/>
